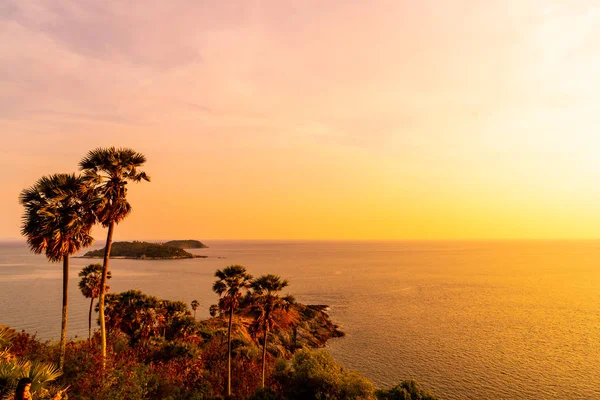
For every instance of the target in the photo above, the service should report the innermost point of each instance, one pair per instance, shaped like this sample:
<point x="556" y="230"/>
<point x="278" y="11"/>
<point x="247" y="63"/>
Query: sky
<point x="301" y="119"/>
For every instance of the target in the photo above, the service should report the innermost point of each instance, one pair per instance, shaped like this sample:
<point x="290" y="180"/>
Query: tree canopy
<point x="141" y="250"/>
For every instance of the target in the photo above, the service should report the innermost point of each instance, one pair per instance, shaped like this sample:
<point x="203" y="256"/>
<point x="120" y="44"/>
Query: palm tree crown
<point x="231" y="282"/>
<point x="57" y="218"/>
<point x="90" y="280"/>
<point x="195" y="305"/>
<point x="266" y="300"/>
<point x="109" y="170"/>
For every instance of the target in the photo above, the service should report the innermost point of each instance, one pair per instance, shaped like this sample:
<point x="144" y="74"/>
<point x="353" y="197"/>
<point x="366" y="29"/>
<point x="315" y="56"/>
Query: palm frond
<point x="91" y="277"/>
<point x="6" y="336"/>
<point x="41" y="374"/>
<point x="56" y="218"/>
<point x="108" y="170"/>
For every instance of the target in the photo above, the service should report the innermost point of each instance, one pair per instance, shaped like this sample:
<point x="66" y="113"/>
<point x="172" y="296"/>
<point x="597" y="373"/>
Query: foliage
<point x="405" y="390"/>
<point x="270" y="308"/>
<point x="195" y="367"/>
<point x="266" y="302"/>
<point x="41" y="374"/>
<point x="149" y="370"/>
<point x="124" y="376"/>
<point x="90" y="280"/>
<point x="186" y="244"/>
<point x="158" y="351"/>
<point x="141" y="250"/>
<point x="230" y="284"/>
<point x="27" y="345"/>
<point x="90" y="286"/>
<point x="194" y="304"/>
<point x="264" y="394"/>
<point x="6" y="336"/>
<point x="245" y="367"/>
<point x="57" y="218"/>
<point x="140" y="316"/>
<point x="213" y="310"/>
<point x="108" y="170"/>
<point x="316" y="375"/>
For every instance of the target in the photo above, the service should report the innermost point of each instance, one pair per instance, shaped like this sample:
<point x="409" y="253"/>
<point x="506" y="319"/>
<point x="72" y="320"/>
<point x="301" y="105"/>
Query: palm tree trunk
<point x="109" y="236"/>
<point x="65" y="302"/>
<point x="90" y="321"/>
<point x="229" y="353"/>
<point x="264" y="360"/>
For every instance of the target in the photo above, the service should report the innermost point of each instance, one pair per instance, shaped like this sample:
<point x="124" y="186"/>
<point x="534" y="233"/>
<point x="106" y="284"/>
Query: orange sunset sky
<point x="301" y="119"/>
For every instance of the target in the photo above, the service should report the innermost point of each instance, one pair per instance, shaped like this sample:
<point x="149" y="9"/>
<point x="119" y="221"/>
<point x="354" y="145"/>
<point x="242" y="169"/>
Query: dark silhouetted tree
<point x="57" y="220"/>
<point x="90" y="288"/>
<point x="266" y="300"/>
<point x="195" y="305"/>
<point x="108" y="170"/>
<point x="231" y="282"/>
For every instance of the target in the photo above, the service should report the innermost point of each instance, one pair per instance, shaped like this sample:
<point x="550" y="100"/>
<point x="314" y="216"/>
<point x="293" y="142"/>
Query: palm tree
<point x="90" y="287"/>
<point x="108" y="170"/>
<point x="213" y="310"/>
<point x="195" y="305"/>
<point x="266" y="300"/>
<point x="57" y="220"/>
<point x="231" y="282"/>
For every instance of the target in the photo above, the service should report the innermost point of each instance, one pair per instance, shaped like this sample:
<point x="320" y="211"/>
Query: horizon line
<point x="22" y="240"/>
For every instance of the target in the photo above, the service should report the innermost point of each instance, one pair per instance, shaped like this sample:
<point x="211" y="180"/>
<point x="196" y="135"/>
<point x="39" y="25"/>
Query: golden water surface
<point x="469" y="320"/>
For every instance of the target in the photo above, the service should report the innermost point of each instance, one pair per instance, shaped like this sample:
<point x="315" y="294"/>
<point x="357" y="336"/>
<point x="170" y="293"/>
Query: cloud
<point x="198" y="107"/>
<point x="135" y="32"/>
<point x="366" y="73"/>
<point x="84" y="62"/>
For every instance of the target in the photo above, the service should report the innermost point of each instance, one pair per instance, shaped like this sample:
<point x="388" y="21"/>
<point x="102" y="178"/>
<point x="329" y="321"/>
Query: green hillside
<point x="141" y="250"/>
<point x="186" y="244"/>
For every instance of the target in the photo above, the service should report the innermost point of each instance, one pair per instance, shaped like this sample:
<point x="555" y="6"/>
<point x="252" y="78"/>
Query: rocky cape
<point x="308" y="326"/>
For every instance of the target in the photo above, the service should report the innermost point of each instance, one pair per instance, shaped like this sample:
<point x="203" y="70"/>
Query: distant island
<point x="147" y="251"/>
<point x="186" y="244"/>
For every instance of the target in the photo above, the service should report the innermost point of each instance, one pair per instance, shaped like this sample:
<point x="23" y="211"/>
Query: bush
<point x="264" y="394"/>
<point x="124" y="376"/>
<point x="316" y="375"/>
<point x="406" y="390"/>
<point x="25" y="345"/>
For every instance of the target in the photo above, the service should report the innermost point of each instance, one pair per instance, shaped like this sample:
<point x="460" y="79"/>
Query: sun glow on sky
<point x="314" y="120"/>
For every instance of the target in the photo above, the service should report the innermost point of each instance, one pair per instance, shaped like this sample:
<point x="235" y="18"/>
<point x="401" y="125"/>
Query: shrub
<point x="405" y="390"/>
<point x="316" y="375"/>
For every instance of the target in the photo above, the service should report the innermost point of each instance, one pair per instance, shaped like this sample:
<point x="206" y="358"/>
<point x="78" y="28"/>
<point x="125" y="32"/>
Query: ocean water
<point x="468" y="320"/>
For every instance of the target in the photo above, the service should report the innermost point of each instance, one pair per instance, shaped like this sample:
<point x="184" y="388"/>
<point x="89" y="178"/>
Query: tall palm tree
<point x="90" y="287"/>
<point x="58" y="220"/>
<point x="266" y="300"/>
<point x="195" y="305"/>
<point x="231" y="282"/>
<point x="108" y="170"/>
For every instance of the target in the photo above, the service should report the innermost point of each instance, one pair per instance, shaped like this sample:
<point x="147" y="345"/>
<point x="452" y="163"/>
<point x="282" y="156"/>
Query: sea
<point x="467" y="320"/>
